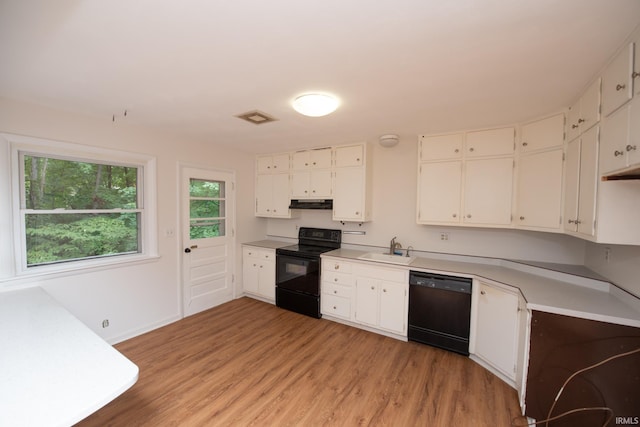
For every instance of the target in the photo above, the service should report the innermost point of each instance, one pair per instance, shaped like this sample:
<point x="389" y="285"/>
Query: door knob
<point x="187" y="250"/>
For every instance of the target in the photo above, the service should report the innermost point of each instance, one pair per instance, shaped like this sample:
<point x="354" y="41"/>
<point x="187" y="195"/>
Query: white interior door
<point x="208" y="238"/>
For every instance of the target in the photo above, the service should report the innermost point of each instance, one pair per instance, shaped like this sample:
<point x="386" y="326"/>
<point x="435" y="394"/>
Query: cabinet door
<point x="441" y="147"/>
<point x="264" y="195"/>
<point x="267" y="279"/>
<point x="367" y="301"/>
<point x="633" y="144"/>
<point x="348" y="194"/>
<point x="590" y="107"/>
<point x="540" y="190"/>
<point x="300" y="182"/>
<point x="543" y="133"/>
<point x="300" y="160"/>
<point x="497" y="328"/>
<point x="249" y="270"/>
<point x="635" y="76"/>
<point x="320" y="184"/>
<point x="264" y="164"/>
<point x="320" y="158"/>
<point x="349" y="156"/>
<point x="588" y="186"/>
<point x="614" y="140"/>
<point x="573" y="121"/>
<point x="617" y="81"/>
<point x="392" y="307"/>
<point x="571" y="185"/>
<point x="494" y="142"/>
<point x="487" y="191"/>
<point x="439" y="189"/>
<point x="280" y="163"/>
<point x="280" y="198"/>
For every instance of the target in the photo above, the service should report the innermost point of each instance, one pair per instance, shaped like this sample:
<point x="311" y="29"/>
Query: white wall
<point x="394" y="214"/>
<point x="134" y="298"/>
<point x="622" y="268"/>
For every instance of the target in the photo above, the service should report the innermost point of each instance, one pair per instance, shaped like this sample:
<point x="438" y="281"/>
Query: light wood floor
<point x="250" y="363"/>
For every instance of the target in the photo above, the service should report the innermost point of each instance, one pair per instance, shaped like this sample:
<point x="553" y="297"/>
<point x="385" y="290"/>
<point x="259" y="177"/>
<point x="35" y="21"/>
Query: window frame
<point x="146" y="198"/>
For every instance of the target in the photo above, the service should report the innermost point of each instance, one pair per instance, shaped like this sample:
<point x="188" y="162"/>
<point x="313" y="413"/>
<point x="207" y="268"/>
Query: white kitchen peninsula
<point x="54" y="371"/>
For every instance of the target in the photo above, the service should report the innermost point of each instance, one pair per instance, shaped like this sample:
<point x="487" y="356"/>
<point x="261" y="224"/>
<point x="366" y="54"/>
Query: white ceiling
<point x="399" y="66"/>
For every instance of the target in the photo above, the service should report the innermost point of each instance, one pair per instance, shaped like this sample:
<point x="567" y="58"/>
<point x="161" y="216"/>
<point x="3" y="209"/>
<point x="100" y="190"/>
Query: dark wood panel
<point x="562" y="345"/>
<point x="248" y="362"/>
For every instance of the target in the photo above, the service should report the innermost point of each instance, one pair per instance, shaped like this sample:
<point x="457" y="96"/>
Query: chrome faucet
<point x="393" y="245"/>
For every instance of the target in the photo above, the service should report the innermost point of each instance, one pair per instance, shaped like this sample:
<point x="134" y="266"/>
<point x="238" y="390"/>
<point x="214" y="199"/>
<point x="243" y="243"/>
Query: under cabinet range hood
<point x="326" y="204"/>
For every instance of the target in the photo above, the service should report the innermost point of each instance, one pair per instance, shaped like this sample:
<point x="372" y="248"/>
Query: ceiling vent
<point x="256" y="117"/>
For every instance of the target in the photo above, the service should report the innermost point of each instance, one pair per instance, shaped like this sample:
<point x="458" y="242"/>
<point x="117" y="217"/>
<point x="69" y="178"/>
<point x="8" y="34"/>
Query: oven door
<point x="298" y="273"/>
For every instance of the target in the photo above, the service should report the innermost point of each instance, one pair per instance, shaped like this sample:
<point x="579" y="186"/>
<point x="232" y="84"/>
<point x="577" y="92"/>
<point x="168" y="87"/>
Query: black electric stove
<point x="298" y="270"/>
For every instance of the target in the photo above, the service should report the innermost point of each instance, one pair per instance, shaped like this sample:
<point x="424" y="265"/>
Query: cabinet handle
<point x="313" y="191"/>
<point x="571" y="221"/>
<point x="578" y="222"/>
<point x="305" y="191"/>
<point x="335" y="280"/>
<point x="335" y="292"/>
<point x="620" y="87"/>
<point x="471" y="149"/>
<point x="337" y="266"/>
<point x="483" y="293"/>
<point x="314" y="163"/>
<point x="631" y="147"/>
<point x="521" y="218"/>
<point x="384" y="290"/>
<point x="260" y="266"/>
<point x="455" y="215"/>
<point x="635" y="74"/>
<point x="254" y="265"/>
<point x="334" y="307"/>
<point x="373" y="287"/>
<point x="618" y="153"/>
<point x="524" y="144"/>
<point x="574" y="126"/>
<point x="468" y="215"/>
<point x="358" y="159"/>
<point x="357" y="213"/>
<point x="580" y="121"/>
<point x="456" y="150"/>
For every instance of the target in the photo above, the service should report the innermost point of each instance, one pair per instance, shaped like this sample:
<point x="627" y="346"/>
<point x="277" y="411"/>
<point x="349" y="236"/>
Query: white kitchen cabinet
<point x="311" y="159"/>
<point x="272" y="196"/>
<point x="524" y="339"/>
<point x="581" y="184"/>
<point x="259" y="272"/>
<point x="349" y="155"/>
<point x="441" y="147"/>
<point x="585" y="113"/>
<point x="497" y="327"/>
<point x="275" y="163"/>
<point x="635" y="75"/>
<point x="439" y="192"/>
<point x="337" y="288"/>
<point x="539" y="192"/>
<point x="382" y="298"/>
<point x="541" y="134"/>
<point x="620" y="140"/>
<point x="314" y="184"/>
<point x="617" y="81"/>
<point x="493" y="142"/>
<point x="352" y="184"/>
<point x="487" y="192"/>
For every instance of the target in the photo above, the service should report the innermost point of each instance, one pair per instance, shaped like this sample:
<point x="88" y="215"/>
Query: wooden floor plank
<point x="250" y="363"/>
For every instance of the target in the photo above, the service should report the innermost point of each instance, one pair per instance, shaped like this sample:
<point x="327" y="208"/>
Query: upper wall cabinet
<point x="272" y="186"/>
<point x="311" y="159"/>
<point x="352" y="183"/>
<point x="441" y="147"/>
<point x="311" y="174"/>
<point x="277" y="163"/>
<point x="541" y="134"/>
<point x="585" y="113"/>
<point x="494" y="142"/>
<point x="617" y="81"/>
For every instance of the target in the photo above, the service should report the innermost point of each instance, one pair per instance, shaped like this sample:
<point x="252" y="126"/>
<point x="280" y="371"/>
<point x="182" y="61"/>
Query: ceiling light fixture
<point x="389" y="140"/>
<point x="315" y="104"/>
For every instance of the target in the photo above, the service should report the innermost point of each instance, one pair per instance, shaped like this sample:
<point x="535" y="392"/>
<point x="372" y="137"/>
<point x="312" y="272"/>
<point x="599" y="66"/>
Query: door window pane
<point x="207" y="209"/>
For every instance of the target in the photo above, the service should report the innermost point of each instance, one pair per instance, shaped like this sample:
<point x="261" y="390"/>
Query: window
<point x="80" y="207"/>
<point x="206" y="209"/>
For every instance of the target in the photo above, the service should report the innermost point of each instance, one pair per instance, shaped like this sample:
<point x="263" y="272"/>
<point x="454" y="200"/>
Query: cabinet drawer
<point x="336" y="306"/>
<point x="259" y="253"/>
<point x="344" y="279"/>
<point x="329" y="288"/>
<point x="336" y="266"/>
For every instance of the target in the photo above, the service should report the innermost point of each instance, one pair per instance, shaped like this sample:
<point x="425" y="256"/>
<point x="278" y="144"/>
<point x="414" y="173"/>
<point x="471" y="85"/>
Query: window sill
<point x="21" y="279"/>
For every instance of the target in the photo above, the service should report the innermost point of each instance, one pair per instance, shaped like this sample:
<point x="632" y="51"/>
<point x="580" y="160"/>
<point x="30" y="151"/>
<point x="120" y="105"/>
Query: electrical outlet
<point x="607" y="255"/>
<point x="105" y="323"/>
<point x="444" y="236"/>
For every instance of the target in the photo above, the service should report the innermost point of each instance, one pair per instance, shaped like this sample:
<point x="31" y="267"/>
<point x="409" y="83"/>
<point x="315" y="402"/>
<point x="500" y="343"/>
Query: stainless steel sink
<point x="389" y="259"/>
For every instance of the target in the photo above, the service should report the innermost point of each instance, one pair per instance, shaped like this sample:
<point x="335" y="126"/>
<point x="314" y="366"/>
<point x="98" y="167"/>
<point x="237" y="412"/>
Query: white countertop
<point x="593" y="301"/>
<point x="54" y="371"/>
<point x="269" y="244"/>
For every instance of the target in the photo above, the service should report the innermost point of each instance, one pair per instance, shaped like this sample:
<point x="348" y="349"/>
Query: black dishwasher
<point x="440" y="310"/>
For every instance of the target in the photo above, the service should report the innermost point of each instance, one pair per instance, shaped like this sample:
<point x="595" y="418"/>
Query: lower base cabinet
<point x="259" y="272"/>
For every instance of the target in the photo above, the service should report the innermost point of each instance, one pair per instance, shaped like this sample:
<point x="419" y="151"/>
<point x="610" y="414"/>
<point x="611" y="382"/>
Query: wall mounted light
<point x="389" y="140"/>
<point x="315" y="104"/>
